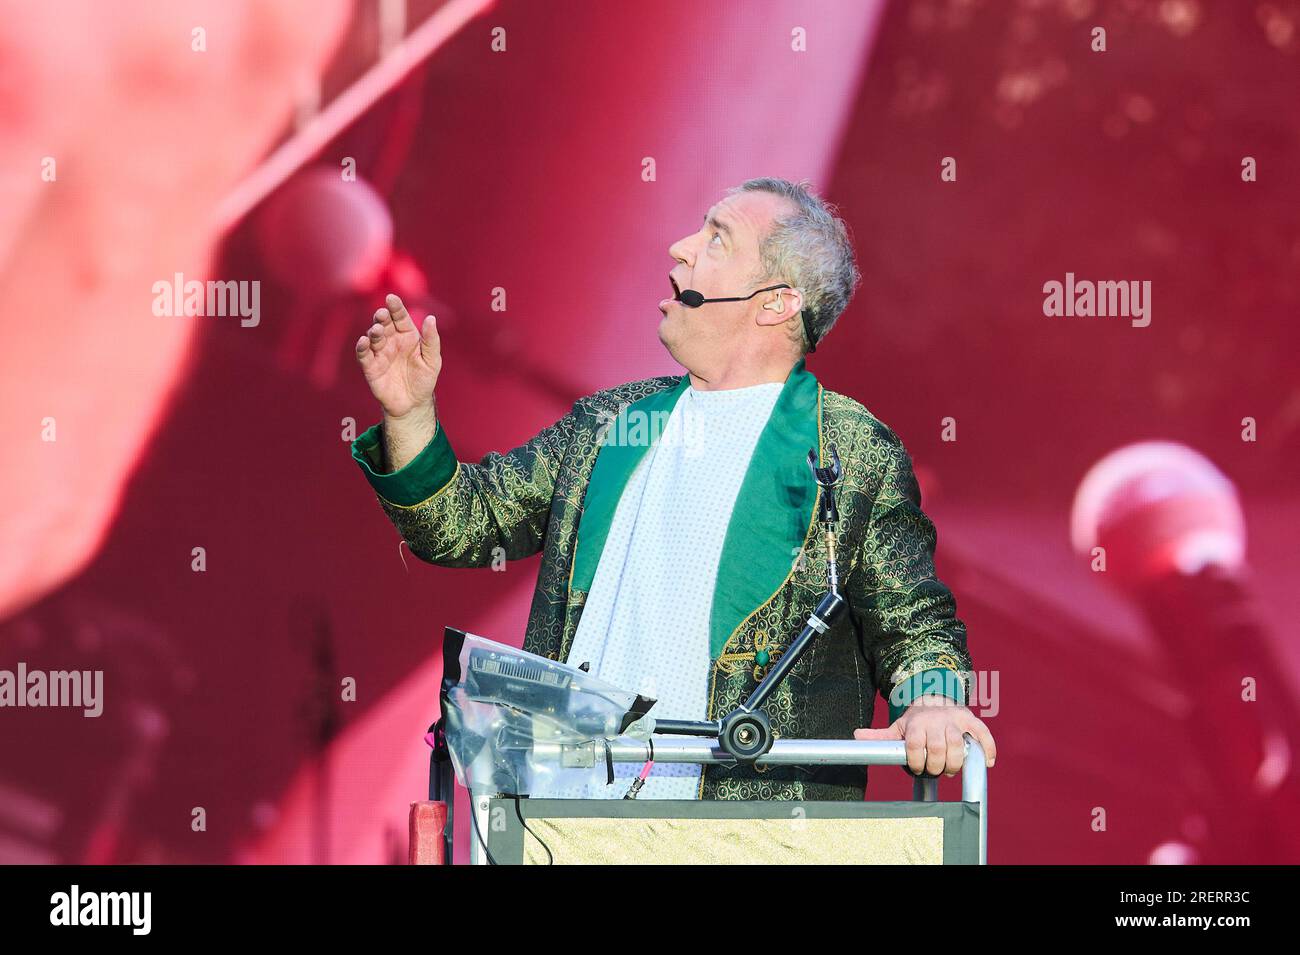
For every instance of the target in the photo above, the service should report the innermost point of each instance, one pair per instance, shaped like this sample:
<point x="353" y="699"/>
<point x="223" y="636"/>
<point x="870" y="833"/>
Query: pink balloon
<point x="321" y="234"/>
<point x="1158" y="507"/>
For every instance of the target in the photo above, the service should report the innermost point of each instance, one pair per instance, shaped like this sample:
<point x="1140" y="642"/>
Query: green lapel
<point x="624" y="444"/>
<point x="773" y="510"/>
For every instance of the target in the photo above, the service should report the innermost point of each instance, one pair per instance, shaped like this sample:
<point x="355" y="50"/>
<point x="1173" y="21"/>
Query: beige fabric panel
<point x="917" y="841"/>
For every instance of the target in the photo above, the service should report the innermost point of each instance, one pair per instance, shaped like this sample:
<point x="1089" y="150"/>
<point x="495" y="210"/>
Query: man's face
<point x="719" y="260"/>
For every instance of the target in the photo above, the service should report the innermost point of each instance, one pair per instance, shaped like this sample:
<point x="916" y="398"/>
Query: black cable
<point x="550" y="859"/>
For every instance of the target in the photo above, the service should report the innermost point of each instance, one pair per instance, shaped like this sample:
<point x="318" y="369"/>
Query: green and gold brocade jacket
<point x="557" y="494"/>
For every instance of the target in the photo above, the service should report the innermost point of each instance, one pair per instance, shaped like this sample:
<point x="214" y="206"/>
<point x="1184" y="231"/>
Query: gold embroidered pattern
<point x="530" y="500"/>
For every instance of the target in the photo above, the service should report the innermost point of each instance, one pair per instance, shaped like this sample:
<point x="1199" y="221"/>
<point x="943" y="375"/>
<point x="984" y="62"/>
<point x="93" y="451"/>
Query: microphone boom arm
<point x="746" y="732"/>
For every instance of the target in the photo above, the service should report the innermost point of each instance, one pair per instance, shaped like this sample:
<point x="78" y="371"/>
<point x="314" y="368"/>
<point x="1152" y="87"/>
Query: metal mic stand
<point x="746" y="732"/>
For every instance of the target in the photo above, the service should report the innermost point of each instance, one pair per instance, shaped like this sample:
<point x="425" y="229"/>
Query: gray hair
<point x="810" y="249"/>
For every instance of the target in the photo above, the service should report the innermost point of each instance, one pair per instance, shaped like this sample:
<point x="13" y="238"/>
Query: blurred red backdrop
<point x="522" y="170"/>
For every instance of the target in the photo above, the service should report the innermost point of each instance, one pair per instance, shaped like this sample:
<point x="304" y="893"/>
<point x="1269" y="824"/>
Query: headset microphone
<point x="693" y="299"/>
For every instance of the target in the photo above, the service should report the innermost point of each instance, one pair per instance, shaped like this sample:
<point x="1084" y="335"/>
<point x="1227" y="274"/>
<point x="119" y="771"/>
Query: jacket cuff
<point x="424" y="476"/>
<point x="938" y="680"/>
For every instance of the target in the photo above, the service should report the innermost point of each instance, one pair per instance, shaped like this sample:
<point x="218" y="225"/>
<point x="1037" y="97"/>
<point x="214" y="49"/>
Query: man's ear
<point x="780" y="306"/>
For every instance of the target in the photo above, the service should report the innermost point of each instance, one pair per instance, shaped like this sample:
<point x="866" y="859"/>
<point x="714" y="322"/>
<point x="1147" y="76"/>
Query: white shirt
<point x="645" y="625"/>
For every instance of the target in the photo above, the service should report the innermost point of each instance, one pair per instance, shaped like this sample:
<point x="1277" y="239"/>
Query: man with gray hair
<point x="676" y="516"/>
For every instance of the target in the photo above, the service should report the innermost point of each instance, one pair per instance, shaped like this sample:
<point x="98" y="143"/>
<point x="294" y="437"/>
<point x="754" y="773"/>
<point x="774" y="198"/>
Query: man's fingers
<point x="377" y="336"/>
<point x="916" y="751"/>
<point x="936" y="752"/>
<point x="401" y="317"/>
<point x="981" y="733"/>
<point x="430" y="346"/>
<point x="956" y="755"/>
<point x="429" y="330"/>
<point x="885" y="732"/>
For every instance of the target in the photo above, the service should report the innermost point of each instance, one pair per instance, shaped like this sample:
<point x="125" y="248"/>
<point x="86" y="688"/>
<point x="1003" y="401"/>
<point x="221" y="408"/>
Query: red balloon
<point x="321" y="234"/>
<point x="1158" y="507"/>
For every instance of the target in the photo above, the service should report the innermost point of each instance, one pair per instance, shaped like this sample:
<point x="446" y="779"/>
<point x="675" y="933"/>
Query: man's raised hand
<point x="401" y="363"/>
